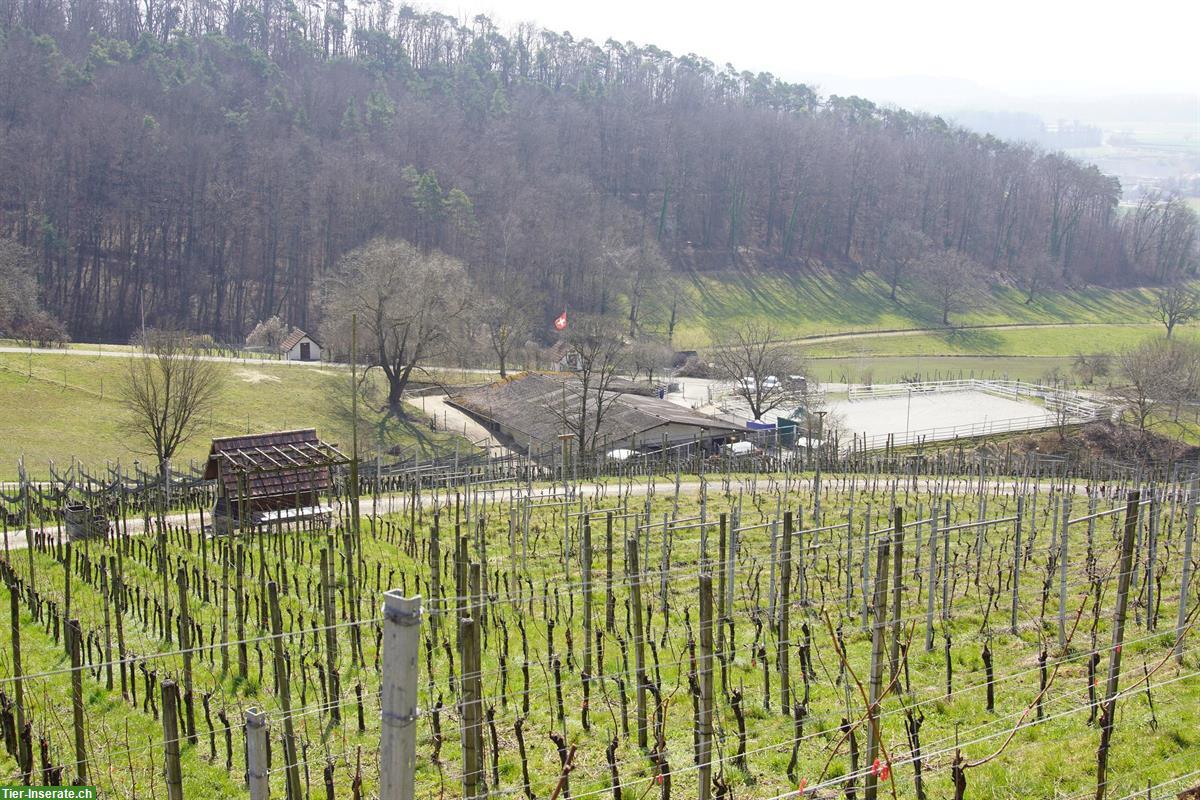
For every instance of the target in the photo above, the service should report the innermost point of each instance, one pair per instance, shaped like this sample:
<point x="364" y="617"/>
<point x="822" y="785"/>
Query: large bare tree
<point x="599" y="354"/>
<point x="904" y="246"/>
<point x="167" y="389"/>
<point x="409" y="305"/>
<point x="1176" y="304"/>
<point x="758" y="362"/>
<point x="951" y="280"/>
<point x="506" y="318"/>
<point x="1155" y="376"/>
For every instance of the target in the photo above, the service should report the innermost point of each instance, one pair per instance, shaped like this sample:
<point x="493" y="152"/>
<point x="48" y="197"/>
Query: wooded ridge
<point x="207" y="163"/>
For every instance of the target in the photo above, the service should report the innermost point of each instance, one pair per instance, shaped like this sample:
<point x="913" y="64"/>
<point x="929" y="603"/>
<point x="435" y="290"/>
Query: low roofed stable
<point x="529" y="410"/>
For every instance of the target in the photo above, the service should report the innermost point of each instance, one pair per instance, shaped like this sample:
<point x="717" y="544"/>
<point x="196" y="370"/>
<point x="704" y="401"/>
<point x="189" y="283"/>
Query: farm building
<point x="265" y="478"/>
<point x="529" y="411"/>
<point x="299" y="346"/>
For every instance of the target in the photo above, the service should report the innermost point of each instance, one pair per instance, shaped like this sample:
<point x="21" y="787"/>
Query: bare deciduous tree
<point x="18" y="285"/>
<point x="758" y="363"/>
<point x="1036" y="271"/>
<point x="166" y="390"/>
<point x="1176" y="304"/>
<point x="649" y="355"/>
<point x="951" y="279"/>
<point x="409" y="306"/>
<point x="268" y="334"/>
<point x="506" y="319"/>
<point x="904" y="246"/>
<point x="599" y="355"/>
<point x="1157" y="374"/>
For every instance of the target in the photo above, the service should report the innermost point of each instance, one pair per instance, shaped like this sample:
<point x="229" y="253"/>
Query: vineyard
<point x="730" y="634"/>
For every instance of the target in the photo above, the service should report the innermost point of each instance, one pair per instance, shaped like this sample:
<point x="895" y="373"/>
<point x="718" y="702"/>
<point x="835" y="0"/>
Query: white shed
<point x="299" y="346"/>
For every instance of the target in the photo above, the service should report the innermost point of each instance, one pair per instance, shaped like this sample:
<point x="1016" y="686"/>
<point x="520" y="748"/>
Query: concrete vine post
<point x="401" y="660"/>
<point x="256" y="754"/>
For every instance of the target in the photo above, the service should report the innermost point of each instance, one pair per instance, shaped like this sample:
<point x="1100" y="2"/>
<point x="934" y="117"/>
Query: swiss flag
<point x="560" y="324"/>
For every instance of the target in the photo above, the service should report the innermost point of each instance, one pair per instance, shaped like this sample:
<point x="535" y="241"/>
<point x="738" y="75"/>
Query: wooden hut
<point x="269" y="478"/>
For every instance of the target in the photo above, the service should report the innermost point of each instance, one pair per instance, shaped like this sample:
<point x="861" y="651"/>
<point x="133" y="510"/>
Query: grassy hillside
<point x="819" y="302"/>
<point x="55" y="406"/>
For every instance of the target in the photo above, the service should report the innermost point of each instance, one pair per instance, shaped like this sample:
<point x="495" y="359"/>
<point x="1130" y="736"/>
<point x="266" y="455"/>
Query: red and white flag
<point x="560" y="324"/>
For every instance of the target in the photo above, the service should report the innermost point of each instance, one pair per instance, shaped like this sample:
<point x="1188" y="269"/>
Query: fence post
<point x="256" y="754"/>
<point x="170" y="704"/>
<point x="398" y="739"/>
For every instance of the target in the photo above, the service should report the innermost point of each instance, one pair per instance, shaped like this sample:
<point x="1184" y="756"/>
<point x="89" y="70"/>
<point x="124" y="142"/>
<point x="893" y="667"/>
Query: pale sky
<point x="1014" y="47"/>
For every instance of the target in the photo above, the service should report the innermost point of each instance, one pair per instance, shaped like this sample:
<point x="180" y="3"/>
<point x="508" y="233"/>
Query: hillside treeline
<point x="207" y="162"/>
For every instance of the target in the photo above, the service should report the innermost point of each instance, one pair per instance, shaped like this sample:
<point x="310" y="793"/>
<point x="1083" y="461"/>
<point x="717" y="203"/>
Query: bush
<point x="268" y="334"/>
<point x="41" y="330"/>
<point x="694" y="367"/>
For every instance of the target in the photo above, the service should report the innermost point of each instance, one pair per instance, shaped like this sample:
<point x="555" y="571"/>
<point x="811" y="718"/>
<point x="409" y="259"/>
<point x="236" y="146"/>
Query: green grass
<point x="56" y="407"/>
<point x="893" y="369"/>
<point x="1064" y="340"/>
<point x="818" y="302"/>
<point x="1054" y="758"/>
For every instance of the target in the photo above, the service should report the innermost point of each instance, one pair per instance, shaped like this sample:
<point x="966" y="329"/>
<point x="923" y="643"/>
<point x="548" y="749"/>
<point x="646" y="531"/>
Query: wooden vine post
<point x="706" y="687"/>
<point x="785" y="614"/>
<point x="879" y="598"/>
<point x="1185" y="579"/>
<point x="897" y="589"/>
<point x="1016" y="569"/>
<point x="587" y="619"/>
<point x="292" y="763"/>
<point x="24" y="754"/>
<point x="170" y="720"/>
<point x="1109" y="708"/>
<point x="185" y="644"/>
<point x="74" y="639"/>
<point x="639" y="636"/>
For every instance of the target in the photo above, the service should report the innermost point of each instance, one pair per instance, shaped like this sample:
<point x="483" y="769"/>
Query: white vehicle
<point x="740" y="448"/>
<point x="749" y="384"/>
<point x="620" y="454"/>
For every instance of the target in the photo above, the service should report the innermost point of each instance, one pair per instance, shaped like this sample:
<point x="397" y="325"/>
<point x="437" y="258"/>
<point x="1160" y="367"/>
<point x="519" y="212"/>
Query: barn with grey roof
<point x="529" y="411"/>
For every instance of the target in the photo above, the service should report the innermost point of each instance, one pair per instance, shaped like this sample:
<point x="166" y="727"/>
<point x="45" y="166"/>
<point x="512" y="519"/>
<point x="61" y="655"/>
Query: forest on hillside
<point x="206" y="164"/>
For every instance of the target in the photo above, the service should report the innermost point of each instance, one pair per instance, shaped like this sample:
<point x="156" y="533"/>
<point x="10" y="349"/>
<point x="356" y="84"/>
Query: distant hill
<point x="206" y="163"/>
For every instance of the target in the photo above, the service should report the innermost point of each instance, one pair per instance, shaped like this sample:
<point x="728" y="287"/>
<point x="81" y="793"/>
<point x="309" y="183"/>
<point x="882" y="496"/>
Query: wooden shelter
<point x="267" y="478"/>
